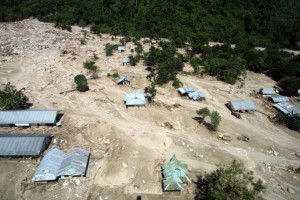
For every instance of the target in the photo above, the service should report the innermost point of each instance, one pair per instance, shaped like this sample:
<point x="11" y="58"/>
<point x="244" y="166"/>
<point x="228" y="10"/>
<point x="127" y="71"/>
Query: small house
<point x="135" y="99"/>
<point x="175" y="175"/>
<point x="57" y="163"/>
<point x="153" y="41"/>
<point x="186" y="90"/>
<point x="287" y="108"/>
<point x="121" y="48"/>
<point x="268" y="91"/>
<point x="241" y="106"/>
<point x="28" y="117"/>
<point x="279" y="99"/>
<point x="123" y="80"/>
<point x="19" y="145"/>
<point x="126" y="61"/>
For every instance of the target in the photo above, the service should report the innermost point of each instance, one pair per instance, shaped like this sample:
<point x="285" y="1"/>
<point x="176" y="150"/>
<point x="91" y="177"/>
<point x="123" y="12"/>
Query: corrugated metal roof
<point x="122" y="79"/>
<point x="267" y="91"/>
<point x="242" y="105"/>
<point x="126" y="60"/>
<point x="28" y="117"/>
<point x="135" y="99"/>
<point x="56" y="163"/>
<point x="23" y="144"/>
<point x="174" y="173"/>
<point x="287" y="108"/>
<point x="196" y="95"/>
<point x="278" y="99"/>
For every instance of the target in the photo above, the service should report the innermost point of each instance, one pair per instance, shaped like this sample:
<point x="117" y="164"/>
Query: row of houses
<point x="55" y="163"/>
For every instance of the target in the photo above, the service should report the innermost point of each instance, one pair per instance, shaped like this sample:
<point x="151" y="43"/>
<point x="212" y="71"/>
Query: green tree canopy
<point x="12" y="99"/>
<point x="81" y="83"/>
<point x="231" y="183"/>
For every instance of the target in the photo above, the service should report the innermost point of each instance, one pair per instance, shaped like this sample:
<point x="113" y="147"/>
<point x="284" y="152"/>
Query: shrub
<point x="204" y="112"/>
<point x="12" y="99"/>
<point x="215" y="120"/>
<point x="81" y="83"/>
<point x="90" y="65"/>
<point x="115" y="75"/>
<point x="109" y="49"/>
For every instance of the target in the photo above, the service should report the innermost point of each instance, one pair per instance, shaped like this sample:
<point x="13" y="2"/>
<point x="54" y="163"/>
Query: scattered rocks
<point x="124" y="165"/>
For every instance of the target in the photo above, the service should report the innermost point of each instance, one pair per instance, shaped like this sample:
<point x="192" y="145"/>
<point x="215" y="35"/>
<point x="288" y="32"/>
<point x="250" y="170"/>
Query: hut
<point x="241" y="106"/>
<point x="28" y="117"/>
<point x="123" y="80"/>
<point x="57" y="163"/>
<point x="175" y="175"/>
<point x="287" y="108"/>
<point x="126" y="61"/>
<point x="135" y="99"/>
<point x="23" y="145"/>
<point x="268" y="91"/>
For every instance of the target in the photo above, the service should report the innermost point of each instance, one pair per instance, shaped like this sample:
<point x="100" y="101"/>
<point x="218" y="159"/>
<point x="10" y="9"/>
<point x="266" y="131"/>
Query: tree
<point x="12" y="99"/>
<point x="204" y="112"/>
<point x="81" y="83"/>
<point x="215" y="120"/>
<point x="231" y="182"/>
<point x="290" y="85"/>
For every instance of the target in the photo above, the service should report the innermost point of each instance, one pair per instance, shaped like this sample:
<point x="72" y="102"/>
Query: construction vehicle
<point x="236" y="114"/>
<point x="224" y="137"/>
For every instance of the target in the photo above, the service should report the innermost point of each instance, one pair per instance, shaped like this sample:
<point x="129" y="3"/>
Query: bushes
<point x="109" y="49"/>
<point x="215" y="118"/>
<point x="290" y="85"/>
<point x="231" y="182"/>
<point x="81" y="83"/>
<point x="12" y="99"/>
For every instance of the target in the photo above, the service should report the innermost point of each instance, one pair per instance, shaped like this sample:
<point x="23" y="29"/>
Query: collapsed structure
<point x="28" y="117"/>
<point x="192" y="93"/>
<point x="57" y="163"/>
<point x="175" y="175"/>
<point x="19" y="145"/>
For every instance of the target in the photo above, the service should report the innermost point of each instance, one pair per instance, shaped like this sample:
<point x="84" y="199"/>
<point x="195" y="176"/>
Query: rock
<point x="124" y="165"/>
<point x="77" y="195"/>
<point x="144" y="181"/>
<point x="290" y="190"/>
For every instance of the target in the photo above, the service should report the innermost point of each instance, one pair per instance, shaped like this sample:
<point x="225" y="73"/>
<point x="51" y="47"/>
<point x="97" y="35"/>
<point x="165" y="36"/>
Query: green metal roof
<point x="175" y="172"/>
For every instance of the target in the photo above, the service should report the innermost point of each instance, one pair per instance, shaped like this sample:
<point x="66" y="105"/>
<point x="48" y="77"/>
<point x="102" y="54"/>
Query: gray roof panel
<point x="287" y="108"/>
<point x="135" y="99"/>
<point x="242" y="105"/>
<point x="23" y="144"/>
<point x="57" y="163"/>
<point x="268" y="91"/>
<point x="278" y="99"/>
<point x="28" y="117"/>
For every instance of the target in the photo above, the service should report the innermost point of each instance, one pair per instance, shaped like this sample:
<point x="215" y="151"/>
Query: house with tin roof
<point x="56" y="164"/>
<point x="241" y="106"/>
<point x="279" y="99"/>
<point x="122" y="80"/>
<point x="268" y="91"/>
<point x="23" y="145"/>
<point x="121" y="48"/>
<point x="191" y="92"/>
<point x="175" y="175"/>
<point x="28" y="117"/>
<point x="126" y="61"/>
<point x="135" y="98"/>
<point x="287" y="108"/>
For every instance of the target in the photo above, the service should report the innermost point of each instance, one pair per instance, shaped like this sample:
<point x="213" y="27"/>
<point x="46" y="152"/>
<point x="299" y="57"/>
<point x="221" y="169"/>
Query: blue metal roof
<point x="287" y="108"/>
<point x="135" y="99"/>
<point x="122" y="79"/>
<point x="23" y="144"/>
<point x="268" y="91"/>
<point x="28" y="117"/>
<point x="126" y="60"/>
<point x="121" y="48"/>
<point x="56" y="163"/>
<point x="242" y="105"/>
<point x="278" y="99"/>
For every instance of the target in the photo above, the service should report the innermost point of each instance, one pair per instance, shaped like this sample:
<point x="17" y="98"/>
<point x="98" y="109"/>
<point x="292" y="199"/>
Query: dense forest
<point x="274" y="24"/>
<point x="196" y="21"/>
